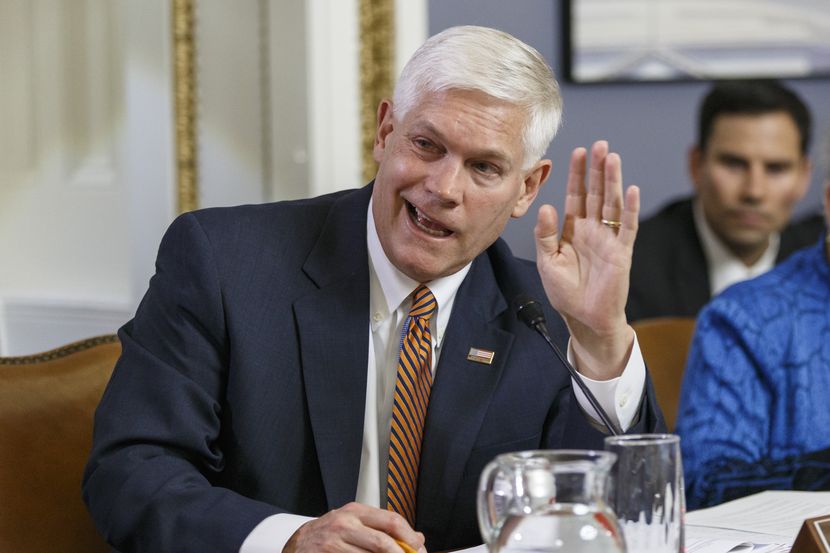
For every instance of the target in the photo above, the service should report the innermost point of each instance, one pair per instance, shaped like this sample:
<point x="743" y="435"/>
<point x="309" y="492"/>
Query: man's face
<point x="450" y="176"/>
<point x="749" y="178"/>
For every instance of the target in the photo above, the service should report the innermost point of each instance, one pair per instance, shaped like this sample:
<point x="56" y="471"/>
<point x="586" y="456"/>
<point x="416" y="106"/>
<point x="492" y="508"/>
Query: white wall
<point x="87" y="180"/>
<point x="61" y="199"/>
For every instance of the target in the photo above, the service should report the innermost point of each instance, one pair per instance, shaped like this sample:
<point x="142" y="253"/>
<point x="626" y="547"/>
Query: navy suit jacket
<point x="241" y="389"/>
<point x="669" y="272"/>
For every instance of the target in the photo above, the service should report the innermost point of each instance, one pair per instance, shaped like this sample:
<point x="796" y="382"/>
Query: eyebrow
<point x="781" y="162"/>
<point x="487" y="154"/>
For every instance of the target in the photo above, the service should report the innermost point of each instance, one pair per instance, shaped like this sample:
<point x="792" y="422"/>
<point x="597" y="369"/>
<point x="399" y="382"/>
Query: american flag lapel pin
<point x="481" y="356"/>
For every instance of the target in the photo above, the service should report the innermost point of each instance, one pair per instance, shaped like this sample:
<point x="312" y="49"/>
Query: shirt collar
<point x="724" y="267"/>
<point x="390" y="288"/>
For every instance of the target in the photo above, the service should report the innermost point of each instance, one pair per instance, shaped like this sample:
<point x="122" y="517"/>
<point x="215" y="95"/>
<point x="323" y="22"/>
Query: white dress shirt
<point x="389" y="304"/>
<point x="724" y="268"/>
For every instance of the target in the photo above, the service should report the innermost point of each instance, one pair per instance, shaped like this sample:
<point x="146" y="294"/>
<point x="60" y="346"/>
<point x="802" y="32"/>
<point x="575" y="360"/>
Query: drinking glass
<point x="646" y="491"/>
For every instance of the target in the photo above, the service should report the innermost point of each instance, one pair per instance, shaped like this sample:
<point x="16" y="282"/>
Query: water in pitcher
<point x="572" y="528"/>
<point x="548" y="501"/>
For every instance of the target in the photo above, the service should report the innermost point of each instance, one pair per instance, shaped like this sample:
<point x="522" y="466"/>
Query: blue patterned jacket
<point x="755" y="404"/>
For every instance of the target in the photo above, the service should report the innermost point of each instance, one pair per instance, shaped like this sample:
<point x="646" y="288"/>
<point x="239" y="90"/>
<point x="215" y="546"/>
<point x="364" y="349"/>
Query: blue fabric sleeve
<point x="725" y="402"/>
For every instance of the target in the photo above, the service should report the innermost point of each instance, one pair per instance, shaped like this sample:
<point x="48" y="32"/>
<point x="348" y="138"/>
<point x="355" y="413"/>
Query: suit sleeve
<point x="569" y="425"/>
<point x="148" y="482"/>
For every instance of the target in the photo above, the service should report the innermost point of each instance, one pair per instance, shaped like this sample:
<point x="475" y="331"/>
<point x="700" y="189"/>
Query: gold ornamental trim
<point x="377" y="56"/>
<point x="184" y="84"/>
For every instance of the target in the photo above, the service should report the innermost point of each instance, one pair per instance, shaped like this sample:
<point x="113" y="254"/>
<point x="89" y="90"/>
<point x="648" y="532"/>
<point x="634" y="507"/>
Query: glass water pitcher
<point x="548" y="501"/>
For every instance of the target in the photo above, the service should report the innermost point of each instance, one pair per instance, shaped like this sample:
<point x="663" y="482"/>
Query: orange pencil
<point x="405" y="547"/>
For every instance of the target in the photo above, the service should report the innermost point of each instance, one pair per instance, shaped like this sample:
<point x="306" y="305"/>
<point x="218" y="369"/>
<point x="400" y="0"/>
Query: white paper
<point x="476" y="549"/>
<point x="766" y="522"/>
<point x="692" y="546"/>
<point x="700" y="533"/>
<point x="778" y="513"/>
<point x="717" y="546"/>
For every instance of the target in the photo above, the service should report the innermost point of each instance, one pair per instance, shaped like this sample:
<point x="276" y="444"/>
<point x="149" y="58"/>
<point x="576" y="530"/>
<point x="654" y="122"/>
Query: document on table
<point x="778" y="513"/>
<point x="766" y="522"/>
<point x="769" y="520"/>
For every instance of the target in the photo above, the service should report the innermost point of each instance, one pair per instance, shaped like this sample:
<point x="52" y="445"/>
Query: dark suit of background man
<point x="257" y="376"/>
<point x="749" y="168"/>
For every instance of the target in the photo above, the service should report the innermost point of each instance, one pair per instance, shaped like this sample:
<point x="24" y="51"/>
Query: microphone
<point x="530" y="313"/>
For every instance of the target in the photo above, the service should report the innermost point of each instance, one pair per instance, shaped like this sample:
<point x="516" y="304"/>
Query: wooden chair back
<point x="665" y="343"/>
<point x="47" y="402"/>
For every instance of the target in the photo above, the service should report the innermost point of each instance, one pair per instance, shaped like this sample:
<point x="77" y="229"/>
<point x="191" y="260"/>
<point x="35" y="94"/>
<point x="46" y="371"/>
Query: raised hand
<point x="585" y="268"/>
<point x="355" y="527"/>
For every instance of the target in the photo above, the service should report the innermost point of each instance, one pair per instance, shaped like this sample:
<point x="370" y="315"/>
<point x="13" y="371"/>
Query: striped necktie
<point x="412" y="389"/>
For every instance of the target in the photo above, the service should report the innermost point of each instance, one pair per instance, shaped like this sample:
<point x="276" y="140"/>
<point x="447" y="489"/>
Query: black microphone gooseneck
<point x="530" y="313"/>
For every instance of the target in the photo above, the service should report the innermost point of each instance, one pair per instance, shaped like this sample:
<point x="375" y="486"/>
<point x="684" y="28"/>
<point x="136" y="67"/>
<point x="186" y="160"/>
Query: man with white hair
<point x="333" y="374"/>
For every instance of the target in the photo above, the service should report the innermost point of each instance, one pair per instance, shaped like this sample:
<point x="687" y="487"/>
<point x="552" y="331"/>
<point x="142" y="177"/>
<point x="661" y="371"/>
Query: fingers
<point x="546" y="232"/>
<point x="604" y="196"/>
<point x="391" y="524"/>
<point x="355" y="527"/>
<point x="575" y="197"/>
<point x="612" y="201"/>
<point x="596" y="180"/>
<point x="630" y="216"/>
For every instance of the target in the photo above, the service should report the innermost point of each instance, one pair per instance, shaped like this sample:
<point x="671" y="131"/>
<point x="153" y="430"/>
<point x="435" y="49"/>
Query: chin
<point x="421" y="273"/>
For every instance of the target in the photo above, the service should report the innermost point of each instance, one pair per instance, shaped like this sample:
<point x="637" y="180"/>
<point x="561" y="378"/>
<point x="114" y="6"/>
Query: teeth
<point x="428" y="225"/>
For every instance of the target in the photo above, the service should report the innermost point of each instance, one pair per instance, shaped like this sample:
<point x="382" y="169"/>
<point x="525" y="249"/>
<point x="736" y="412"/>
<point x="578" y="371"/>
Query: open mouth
<point x="426" y="224"/>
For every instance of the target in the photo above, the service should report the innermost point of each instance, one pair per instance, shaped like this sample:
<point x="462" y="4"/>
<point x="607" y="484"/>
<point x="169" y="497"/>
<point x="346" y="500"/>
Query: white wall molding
<point x="91" y="93"/>
<point x="32" y="325"/>
<point x="286" y="100"/>
<point x="334" y="95"/>
<point x="314" y="98"/>
<point x="17" y="141"/>
<point x="62" y="212"/>
<point x="230" y="106"/>
<point x="147" y="157"/>
<point x="411" y="29"/>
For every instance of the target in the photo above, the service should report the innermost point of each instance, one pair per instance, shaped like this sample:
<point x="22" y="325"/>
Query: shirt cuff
<point x="620" y="397"/>
<point x="271" y="535"/>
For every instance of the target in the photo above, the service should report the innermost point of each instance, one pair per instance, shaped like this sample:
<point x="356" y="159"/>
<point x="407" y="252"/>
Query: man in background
<point x="749" y="168"/>
<point x="753" y="411"/>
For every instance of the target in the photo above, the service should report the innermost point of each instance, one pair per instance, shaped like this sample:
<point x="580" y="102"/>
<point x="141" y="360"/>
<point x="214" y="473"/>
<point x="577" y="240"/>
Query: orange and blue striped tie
<point x="410" y="406"/>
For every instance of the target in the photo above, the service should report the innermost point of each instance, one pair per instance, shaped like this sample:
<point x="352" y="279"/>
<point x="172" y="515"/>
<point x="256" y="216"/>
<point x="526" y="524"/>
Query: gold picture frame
<point x="377" y="57"/>
<point x="185" y="88"/>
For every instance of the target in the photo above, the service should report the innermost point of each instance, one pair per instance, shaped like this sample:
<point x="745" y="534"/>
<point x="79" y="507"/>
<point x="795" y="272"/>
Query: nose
<point x="755" y="183"/>
<point x="447" y="182"/>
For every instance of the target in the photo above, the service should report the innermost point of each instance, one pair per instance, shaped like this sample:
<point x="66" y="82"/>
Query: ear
<point x="384" y="128"/>
<point x="532" y="183"/>
<point x="695" y="160"/>
<point x="827" y="202"/>
<point x="806" y="170"/>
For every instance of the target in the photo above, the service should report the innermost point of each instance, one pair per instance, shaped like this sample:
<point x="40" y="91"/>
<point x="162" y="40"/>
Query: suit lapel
<point x="692" y="276"/>
<point x="461" y="393"/>
<point x="691" y="282"/>
<point x="333" y="324"/>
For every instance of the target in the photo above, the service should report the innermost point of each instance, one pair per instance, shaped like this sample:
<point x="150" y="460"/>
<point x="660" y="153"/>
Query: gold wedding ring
<point x="611" y="224"/>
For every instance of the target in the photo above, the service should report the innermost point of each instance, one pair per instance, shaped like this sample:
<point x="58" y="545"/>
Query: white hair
<point x="492" y="62"/>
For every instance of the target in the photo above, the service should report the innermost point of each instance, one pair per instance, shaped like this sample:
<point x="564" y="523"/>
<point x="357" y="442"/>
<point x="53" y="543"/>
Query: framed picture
<point x="667" y="40"/>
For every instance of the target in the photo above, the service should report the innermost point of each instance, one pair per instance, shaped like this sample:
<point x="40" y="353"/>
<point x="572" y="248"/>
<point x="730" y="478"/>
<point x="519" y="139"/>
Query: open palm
<point x="585" y="268"/>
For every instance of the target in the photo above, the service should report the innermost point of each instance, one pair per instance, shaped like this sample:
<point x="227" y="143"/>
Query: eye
<point x="424" y="144"/>
<point x="485" y="168"/>
<point x="778" y="168"/>
<point x="733" y="162"/>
